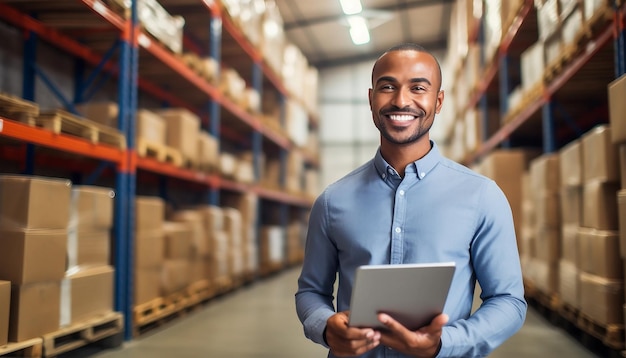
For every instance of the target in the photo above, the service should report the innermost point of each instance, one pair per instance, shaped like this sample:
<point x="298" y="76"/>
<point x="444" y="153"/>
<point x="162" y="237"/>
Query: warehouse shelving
<point x="131" y="47"/>
<point x="590" y="62"/>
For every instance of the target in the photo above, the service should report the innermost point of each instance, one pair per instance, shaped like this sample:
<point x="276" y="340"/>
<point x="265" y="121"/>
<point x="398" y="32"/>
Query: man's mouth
<point x="401" y="117"/>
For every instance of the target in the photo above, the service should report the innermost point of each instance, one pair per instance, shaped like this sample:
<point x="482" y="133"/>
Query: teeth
<point x="395" y="117"/>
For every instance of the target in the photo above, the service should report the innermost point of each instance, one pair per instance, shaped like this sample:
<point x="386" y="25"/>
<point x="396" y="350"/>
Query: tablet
<point x="413" y="294"/>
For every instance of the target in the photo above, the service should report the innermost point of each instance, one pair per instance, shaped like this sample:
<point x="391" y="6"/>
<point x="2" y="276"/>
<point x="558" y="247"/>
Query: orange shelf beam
<point x="106" y="13"/>
<point x="66" y="143"/>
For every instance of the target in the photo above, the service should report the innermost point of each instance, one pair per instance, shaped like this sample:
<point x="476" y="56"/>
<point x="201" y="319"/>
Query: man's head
<point x="406" y="93"/>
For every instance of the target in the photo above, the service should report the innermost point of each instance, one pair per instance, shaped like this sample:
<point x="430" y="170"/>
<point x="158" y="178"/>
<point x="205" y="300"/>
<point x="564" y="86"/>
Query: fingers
<point x="423" y="342"/>
<point x="349" y="341"/>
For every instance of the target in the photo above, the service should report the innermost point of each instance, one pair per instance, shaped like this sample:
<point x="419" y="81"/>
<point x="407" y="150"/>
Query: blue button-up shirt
<point x="440" y="211"/>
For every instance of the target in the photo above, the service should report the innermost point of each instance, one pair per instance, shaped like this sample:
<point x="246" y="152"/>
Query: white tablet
<point x="413" y="294"/>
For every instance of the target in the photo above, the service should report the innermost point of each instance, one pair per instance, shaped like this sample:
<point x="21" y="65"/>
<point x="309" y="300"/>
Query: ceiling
<point x="320" y="30"/>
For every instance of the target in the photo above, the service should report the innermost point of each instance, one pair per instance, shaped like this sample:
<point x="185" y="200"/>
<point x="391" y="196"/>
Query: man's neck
<point x="399" y="156"/>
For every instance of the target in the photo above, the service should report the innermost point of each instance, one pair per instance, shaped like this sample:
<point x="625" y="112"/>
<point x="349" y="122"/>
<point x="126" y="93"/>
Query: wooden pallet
<point x="29" y="348"/>
<point x="60" y="121"/>
<point x="18" y="109"/>
<point x="83" y="333"/>
<point x="161" y="153"/>
<point x="611" y="335"/>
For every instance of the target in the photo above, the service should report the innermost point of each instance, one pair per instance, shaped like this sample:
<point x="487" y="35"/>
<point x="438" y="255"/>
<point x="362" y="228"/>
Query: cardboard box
<point x="548" y="210"/>
<point x="35" y="310"/>
<point x="183" y="128"/>
<point x="621" y="199"/>
<point x="600" y="156"/>
<point x="569" y="284"/>
<point x="571" y="207"/>
<point x="544" y="174"/>
<point x="599" y="253"/>
<point x="600" y="205"/>
<point x="601" y="299"/>
<point x="151" y="127"/>
<point x="622" y="164"/>
<point x="86" y="293"/>
<point x="569" y="243"/>
<point x="178" y="244"/>
<point x="175" y="276"/>
<point x="571" y="164"/>
<point x="5" y="305"/>
<point x="88" y="248"/>
<point x="548" y="245"/>
<point x="103" y="112"/>
<point x="147" y="285"/>
<point x="617" y="109"/>
<point x="149" y="249"/>
<point x="149" y="213"/>
<point x="34" y="202"/>
<point x="33" y="255"/>
<point x="195" y="221"/>
<point x="91" y="207"/>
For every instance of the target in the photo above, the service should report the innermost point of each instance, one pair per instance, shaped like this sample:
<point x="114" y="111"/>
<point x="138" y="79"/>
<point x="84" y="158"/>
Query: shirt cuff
<point x="315" y="324"/>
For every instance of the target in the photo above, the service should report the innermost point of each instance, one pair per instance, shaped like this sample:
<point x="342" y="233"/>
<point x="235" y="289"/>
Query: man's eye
<point x="419" y="88"/>
<point x="386" y="87"/>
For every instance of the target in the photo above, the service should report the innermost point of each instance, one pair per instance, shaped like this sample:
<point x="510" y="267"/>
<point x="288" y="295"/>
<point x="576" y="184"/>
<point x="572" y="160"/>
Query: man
<point x="409" y="204"/>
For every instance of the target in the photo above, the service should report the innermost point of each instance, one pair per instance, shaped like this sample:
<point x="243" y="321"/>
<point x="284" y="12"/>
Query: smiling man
<point x="409" y="204"/>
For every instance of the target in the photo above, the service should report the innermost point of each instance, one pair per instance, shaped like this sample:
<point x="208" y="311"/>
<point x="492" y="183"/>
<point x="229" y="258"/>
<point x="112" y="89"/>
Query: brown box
<point x="86" y="293"/>
<point x="547" y="209"/>
<point x="571" y="164"/>
<point x="175" y="276"/>
<point x="601" y="299"/>
<point x="151" y="127"/>
<point x="103" y="112"/>
<point x="32" y="255"/>
<point x="147" y="285"/>
<point x="617" y="109"/>
<point x="5" y="304"/>
<point x="600" y="205"/>
<point x="569" y="243"/>
<point x="35" y="310"/>
<point x="183" y="128"/>
<point x="91" y="207"/>
<point x="88" y="248"/>
<point x="544" y="174"/>
<point x="178" y="238"/>
<point x="621" y="203"/>
<point x="571" y="208"/>
<point x="622" y="164"/>
<point x="599" y="253"/>
<point x="149" y="249"/>
<point x="34" y="202"/>
<point x="149" y="213"/>
<point x="600" y="156"/>
<point x="549" y="244"/>
<point x="194" y="219"/>
<point x="569" y="284"/>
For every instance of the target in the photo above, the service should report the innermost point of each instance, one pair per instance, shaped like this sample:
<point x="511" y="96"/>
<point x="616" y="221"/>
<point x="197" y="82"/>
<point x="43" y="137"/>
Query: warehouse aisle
<point x="259" y="321"/>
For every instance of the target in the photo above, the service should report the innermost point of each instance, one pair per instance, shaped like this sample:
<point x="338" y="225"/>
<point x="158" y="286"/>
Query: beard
<point x="400" y="137"/>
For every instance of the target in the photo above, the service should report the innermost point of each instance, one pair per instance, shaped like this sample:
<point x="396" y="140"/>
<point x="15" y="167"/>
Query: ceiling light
<point x="351" y="7"/>
<point x="358" y="30"/>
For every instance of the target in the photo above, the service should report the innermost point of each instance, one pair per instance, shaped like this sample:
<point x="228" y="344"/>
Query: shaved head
<point x="406" y="47"/>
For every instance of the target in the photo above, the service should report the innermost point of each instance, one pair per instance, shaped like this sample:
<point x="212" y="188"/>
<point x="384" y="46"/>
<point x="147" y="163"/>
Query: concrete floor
<point x="259" y="321"/>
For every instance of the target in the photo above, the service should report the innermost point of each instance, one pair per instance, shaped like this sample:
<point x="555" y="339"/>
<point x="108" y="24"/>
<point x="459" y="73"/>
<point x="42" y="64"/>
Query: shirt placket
<point x="398" y="227"/>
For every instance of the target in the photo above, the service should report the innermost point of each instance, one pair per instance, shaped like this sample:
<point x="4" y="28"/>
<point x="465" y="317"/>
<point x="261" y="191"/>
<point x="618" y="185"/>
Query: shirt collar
<point x="420" y="167"/>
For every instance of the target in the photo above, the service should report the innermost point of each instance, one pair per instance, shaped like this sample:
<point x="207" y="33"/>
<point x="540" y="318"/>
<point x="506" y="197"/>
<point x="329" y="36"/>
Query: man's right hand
<point x="346" y="341"/>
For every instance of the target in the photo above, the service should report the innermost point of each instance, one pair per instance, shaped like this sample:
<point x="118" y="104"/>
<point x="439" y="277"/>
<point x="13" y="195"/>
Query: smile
<point x="402" y="117"/>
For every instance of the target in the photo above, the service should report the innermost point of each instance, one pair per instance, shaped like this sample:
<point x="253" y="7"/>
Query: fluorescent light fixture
<point x="358" y="30"/>
<point x="351" y="7"/>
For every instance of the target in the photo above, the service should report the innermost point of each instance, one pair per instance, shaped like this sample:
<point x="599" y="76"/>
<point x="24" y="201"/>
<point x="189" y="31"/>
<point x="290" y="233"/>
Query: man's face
<point x="405" y="95"/>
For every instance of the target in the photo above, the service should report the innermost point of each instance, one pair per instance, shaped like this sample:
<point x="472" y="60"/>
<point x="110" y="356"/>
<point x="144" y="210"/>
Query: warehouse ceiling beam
<point x="395" y="7"/>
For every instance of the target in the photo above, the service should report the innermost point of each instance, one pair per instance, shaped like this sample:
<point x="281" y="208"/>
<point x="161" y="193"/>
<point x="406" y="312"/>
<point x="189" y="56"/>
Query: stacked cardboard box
<point x="617" y="108"/>
<point x="233" y="223"/>
<point x="601" y="278"/>
<point x="5" y="305"/>
<point x="272" y="247"/>
<point x="34" y="217"/>
<point x="218" y="260"/>
<point x="183" y="129"/>
<point x="544" y="181"/>
<point x="192" y="266"/>
<point x="571" y="173"/>
<point x="247" y="205"/>
<point x="149" y="248"/>
<point x="87" y="289"/>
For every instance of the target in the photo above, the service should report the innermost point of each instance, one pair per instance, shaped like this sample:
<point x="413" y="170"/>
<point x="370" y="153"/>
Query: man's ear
<point x="370" y="93"/>
<point x="440" y="97"/>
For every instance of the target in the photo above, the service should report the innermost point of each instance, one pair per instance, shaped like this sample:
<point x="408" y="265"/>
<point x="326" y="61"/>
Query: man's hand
<point x="423" y="343"/>
<point x="347" y="341"/>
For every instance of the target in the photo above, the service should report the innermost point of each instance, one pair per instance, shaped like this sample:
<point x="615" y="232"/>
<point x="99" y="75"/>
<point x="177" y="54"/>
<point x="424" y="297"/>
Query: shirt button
<point x="401" y="192"/>
<point x="384" y="175"/>
<point x="398" y="230"/>
<point x="422" y="174"/>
